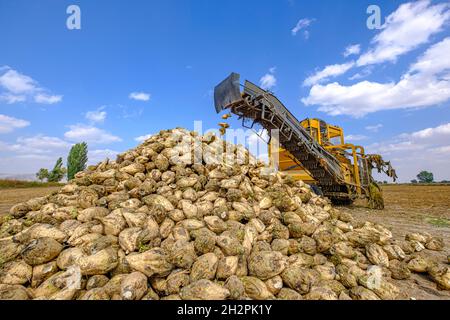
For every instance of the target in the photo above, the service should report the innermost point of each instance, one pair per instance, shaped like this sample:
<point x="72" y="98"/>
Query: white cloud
<point x="440" y="134"/>
<point x="143" y="138"/>
<point x="352" y="50"/>
<point x="27" y="155"/>
<point x="435" y="60"/>
<point x="90" y="134"/>
<point x="24" y="167"/>
<point x="302" y="24"/>
<point x="47" y="99"/>
<point x="8" y="124"/>
<point x="368" y="97"/>
<point x="268" y="81"/>
<point x="16" y="82"/>
<point x="410" y="26"/>
<point x="441" y="150"/>
<point x="420" y="87"/>
<point x="34" y="157"/>
<point x="328" y="72"/>
<point x="364" y="73"/>
<point x="355" y="137"/>
<point x="38" y="145"/>
<point x="96" y="116"/>
<point x="427" y="149"/>
<point x="96" y="156"/>
<point x="12" y="98"/>
<point x="140" y="96"/>
<point x="18" y="87"/>
<point x="374" y="128"/>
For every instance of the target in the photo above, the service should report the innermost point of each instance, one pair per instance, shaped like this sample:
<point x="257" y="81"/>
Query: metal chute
<point x="262" y="107"/>
<point x="339" y="178"/>
<point x="227" y="92"/>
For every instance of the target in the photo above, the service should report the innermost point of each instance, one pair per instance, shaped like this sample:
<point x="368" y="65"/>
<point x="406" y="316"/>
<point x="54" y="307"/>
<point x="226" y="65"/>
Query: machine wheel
<point x="342" y="201"/>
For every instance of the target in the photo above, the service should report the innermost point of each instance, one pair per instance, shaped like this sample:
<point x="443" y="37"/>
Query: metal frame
<point x="265" y="109"/>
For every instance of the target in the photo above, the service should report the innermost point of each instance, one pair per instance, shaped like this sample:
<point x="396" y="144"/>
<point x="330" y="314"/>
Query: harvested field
<point x="9" y="197"/>
<point x="411" y="208"/>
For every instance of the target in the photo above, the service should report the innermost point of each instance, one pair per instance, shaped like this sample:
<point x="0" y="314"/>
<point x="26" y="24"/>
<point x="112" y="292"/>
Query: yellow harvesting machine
<point x="311" y="150"/>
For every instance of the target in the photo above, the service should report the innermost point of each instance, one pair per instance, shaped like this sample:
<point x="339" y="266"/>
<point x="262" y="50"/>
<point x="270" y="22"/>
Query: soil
<point x="410" y="208"/>
<point x="9" y="197"/>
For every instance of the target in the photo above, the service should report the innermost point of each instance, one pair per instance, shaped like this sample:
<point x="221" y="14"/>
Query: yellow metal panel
<point x="349" y="166"/>
<point x="292" y="168"/>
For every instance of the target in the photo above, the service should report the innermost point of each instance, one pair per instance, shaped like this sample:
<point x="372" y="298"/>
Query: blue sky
<point x="59" y="86"/>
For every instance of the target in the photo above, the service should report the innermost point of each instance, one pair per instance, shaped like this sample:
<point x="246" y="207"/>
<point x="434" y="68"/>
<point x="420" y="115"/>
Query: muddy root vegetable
<point x="175" y="218"/>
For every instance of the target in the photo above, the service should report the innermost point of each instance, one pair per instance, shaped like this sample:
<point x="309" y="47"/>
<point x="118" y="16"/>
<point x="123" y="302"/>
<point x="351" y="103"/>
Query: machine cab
<point x="324" y="133"/>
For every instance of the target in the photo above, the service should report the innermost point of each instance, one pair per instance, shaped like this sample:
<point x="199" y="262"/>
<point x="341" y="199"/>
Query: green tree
<point x="425" y="177"/>
<point x="77" y="159"/>
<point x="57" y="172"/>
<point x="42" y="174"/>
<point x="414" y="181"/>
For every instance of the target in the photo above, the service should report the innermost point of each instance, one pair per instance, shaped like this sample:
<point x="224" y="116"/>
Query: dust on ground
<point x="411" y="208"/>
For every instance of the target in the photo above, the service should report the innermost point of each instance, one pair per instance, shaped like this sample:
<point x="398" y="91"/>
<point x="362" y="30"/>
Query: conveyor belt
<point x="261" y="107"/>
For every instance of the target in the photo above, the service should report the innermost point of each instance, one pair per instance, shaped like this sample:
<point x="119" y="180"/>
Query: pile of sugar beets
<point x="151" y="225"/>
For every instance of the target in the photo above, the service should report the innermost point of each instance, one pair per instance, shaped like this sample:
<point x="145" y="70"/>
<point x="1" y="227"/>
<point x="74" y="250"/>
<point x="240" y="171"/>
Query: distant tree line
<point x="422" y="177"/>
<point x="76" y="162"/>
<point x="426" y="177"/>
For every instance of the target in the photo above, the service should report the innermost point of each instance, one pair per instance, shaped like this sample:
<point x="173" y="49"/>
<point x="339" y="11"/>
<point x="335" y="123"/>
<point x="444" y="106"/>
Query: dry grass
<point x="438" y="222"/>
<point x="14" y="184"/>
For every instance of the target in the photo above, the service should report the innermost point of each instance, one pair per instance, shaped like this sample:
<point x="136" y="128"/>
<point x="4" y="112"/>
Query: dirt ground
<point x="9" y="197"/>
<point x="408" y="209"/>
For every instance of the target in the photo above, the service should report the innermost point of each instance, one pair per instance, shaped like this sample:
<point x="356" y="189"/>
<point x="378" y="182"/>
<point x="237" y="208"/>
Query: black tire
<point x="342" y="201"/>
